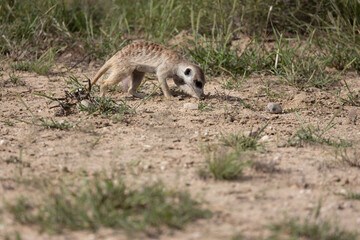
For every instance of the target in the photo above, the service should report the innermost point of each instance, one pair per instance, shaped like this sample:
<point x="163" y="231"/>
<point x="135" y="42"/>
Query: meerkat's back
<point x="147" y="53"/>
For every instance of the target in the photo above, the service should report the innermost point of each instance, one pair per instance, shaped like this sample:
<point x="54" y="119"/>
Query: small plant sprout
<point x="311" y="134"/>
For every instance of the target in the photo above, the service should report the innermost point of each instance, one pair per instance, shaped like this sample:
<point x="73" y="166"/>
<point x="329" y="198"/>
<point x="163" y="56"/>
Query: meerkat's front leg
<point x="164" y="86"/>
<point x="136" y="78"/>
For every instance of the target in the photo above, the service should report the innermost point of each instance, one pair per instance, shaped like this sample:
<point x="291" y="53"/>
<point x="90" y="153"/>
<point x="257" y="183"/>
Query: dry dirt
<point x="162" y="141"/>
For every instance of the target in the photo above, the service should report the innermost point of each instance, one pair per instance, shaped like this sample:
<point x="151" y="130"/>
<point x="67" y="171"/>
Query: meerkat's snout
<point x="199" y="89"/>
<point x="194" y="89"/>
<point x="191" y="80"/>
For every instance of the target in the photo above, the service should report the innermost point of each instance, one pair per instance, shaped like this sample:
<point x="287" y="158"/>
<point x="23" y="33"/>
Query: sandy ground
<point x="162" y="141"/>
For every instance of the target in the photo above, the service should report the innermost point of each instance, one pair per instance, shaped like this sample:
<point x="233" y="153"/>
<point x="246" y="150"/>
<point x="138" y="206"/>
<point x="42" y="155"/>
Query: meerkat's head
<point x="191" y="79"/>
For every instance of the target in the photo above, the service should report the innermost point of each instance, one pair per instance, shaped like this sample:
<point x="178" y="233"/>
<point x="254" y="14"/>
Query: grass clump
<point x="228" y="160"/>
<point x="94" y="104"/>
<point x="204" y="106"/>
<point x="43" y="122"/>
<point x="13" y="159"/>
<point x="9" y="123"/>
<point x="310" y="230"/>
<point x="217" y="57"/>
<point x="294" y="60"/>
<point x="21" y="66"/>
<point x="340" y="51"/>
<point x="311" y="134"/>
<point x="339" y="37"/>
<point x="108" y="202"/>
<point x="353" y="196"/>
<point x="40" y="65"/>
<point x="106" y="106"/>
<point x="240" y="142"/>
<point x="224" y="165"/>
<point x="79" y="97"/>
<point x="15" y="79"/>
<point x="352" y="97"/>
<point x="85" y="99"/>
<point x="299" y="65"/>
<point x="348" y="156"/>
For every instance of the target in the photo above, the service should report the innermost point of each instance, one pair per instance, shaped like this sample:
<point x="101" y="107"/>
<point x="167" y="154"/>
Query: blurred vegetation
<point x="103" y="201"/>
<point x="99" y="28"/>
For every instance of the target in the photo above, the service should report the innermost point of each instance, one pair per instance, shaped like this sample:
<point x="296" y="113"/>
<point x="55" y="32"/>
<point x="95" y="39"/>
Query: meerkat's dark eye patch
<point x="198" y="84"/>
<point x="178" y="81"/>
<point x="187" y="71"/>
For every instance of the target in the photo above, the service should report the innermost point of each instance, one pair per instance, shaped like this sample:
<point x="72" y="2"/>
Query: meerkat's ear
<point x="187" y="71"/>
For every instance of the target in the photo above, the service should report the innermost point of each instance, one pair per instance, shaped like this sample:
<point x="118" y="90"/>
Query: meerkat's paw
<point x="169" y="96"/>
<point x="138" y="95"/>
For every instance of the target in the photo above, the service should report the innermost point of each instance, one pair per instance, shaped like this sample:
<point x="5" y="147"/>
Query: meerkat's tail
<point x="101" y="72"/>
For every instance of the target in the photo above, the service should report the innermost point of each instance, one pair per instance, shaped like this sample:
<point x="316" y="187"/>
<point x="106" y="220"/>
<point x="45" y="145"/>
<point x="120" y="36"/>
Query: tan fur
<point x="138" y="58"/>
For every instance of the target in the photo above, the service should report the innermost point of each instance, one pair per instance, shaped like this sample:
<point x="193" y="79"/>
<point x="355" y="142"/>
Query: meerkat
<point x="130" y="64"/>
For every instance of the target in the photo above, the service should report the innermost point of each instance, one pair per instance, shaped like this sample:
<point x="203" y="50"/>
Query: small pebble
<point x="2" y="142"/>
<point x="282" y="144"/>
<point x="264" y="138"/>
<point x="85" y="103"/>
<point x="191" y="106"/>
<point x="343" y="191"/>
<point x="148" y="166"/>
<point x="273" y="108"/>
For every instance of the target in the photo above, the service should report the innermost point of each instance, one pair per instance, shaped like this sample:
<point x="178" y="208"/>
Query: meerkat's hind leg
<point x="136" y="78"/>
<point x="114" y="78"/>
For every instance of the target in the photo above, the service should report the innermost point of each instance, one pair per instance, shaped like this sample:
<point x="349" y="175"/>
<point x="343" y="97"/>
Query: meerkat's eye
<point x="198" y="84"/>
<point x="187" y="71"/>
